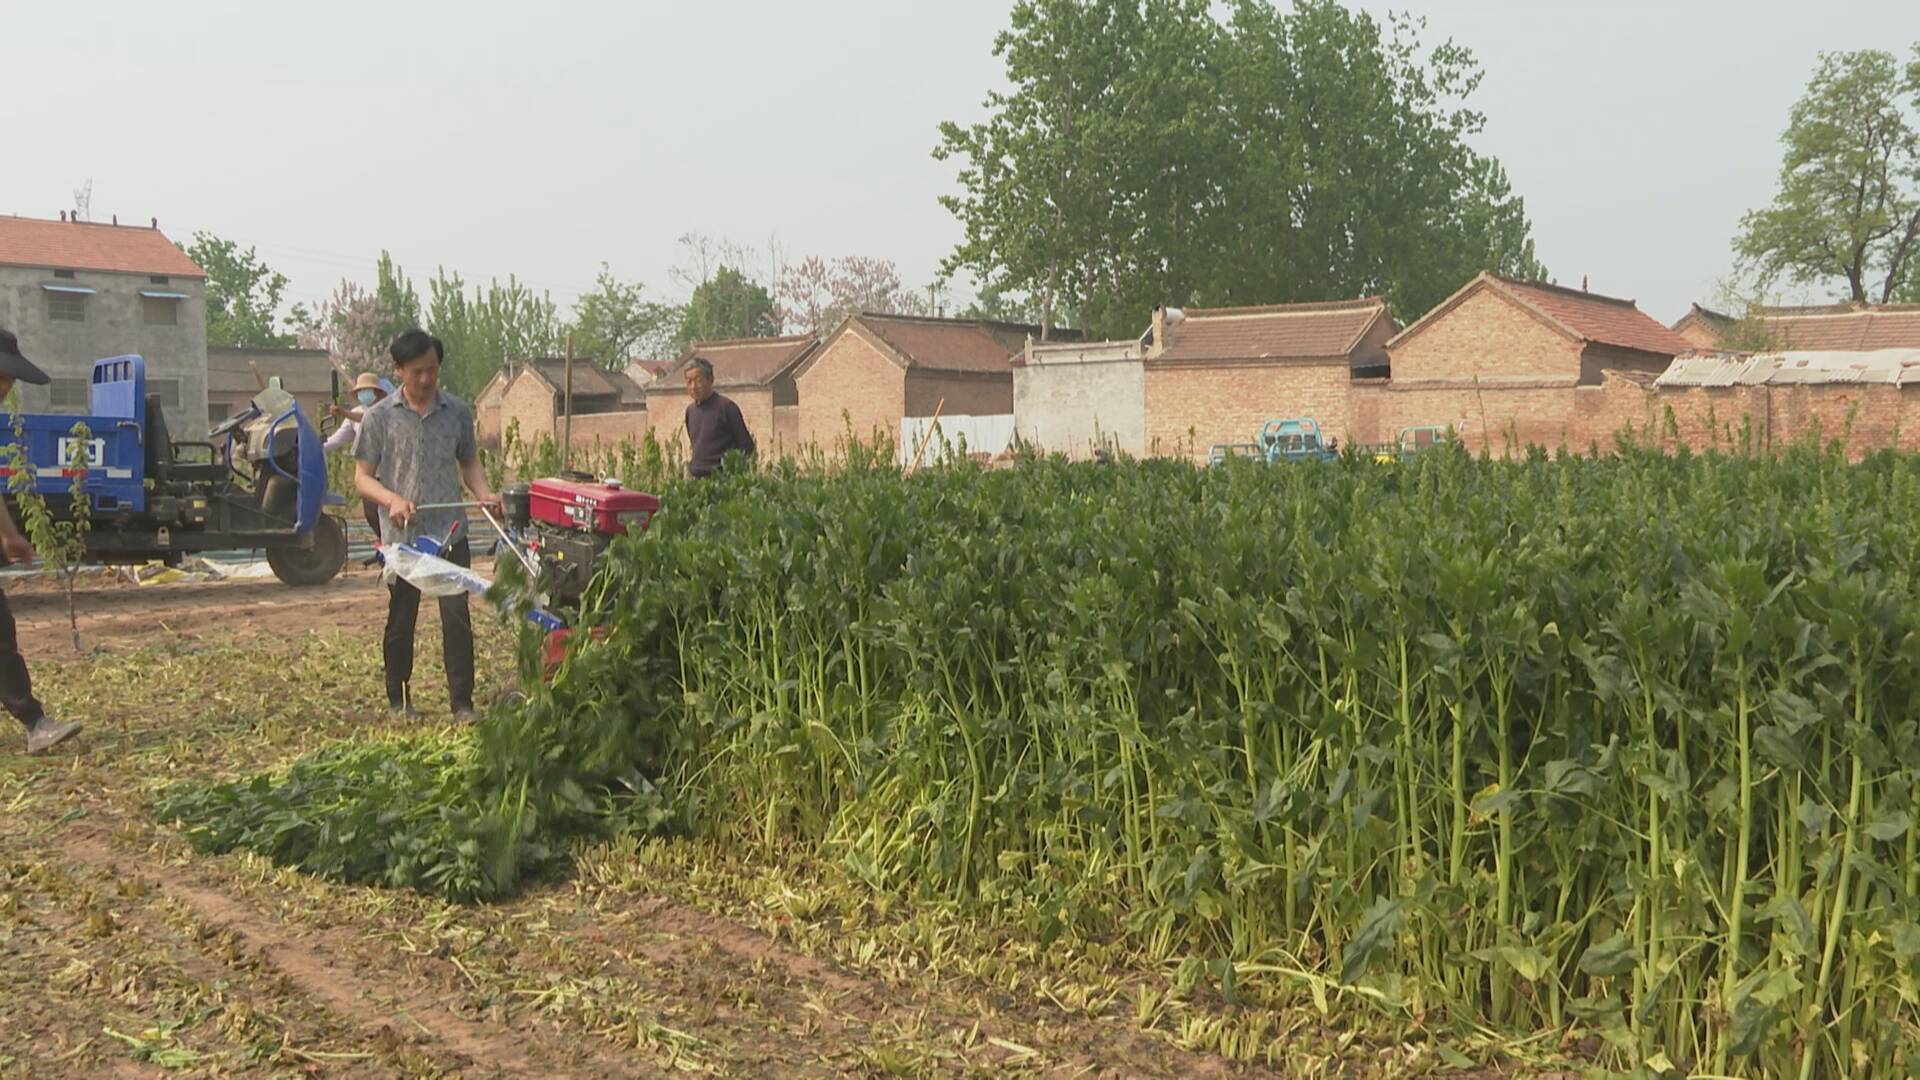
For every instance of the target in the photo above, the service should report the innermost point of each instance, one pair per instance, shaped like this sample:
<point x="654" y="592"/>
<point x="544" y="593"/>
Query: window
<point x="160" y="311"/>
<point x="64" y="275"/>
<point x="168" y="389"/>
<point x="67" y="307"/>
<point x="216" y="412"/>
<point x="68" y="394"/>
<point x="158" y="279"/>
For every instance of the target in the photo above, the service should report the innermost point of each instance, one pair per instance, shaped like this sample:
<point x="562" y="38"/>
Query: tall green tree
<point x="616" y="323"/>
<point x="243" y="294"/>
<point x="397" y="301"/>
<point x="489" y="328"/>
<point x="1848" y="207"/>
<point x="1150" y="153"/>
<point x="728" y="305"/>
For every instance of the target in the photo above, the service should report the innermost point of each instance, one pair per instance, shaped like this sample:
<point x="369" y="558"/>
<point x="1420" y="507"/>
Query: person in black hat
<point x="16" y="688"/>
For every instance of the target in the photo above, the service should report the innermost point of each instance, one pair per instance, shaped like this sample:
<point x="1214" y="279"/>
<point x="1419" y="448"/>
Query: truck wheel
<point x="316" y="565"/>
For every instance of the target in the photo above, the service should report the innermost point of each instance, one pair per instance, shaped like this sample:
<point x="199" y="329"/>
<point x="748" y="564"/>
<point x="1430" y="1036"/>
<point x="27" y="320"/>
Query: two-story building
<point x="76" y="292"/>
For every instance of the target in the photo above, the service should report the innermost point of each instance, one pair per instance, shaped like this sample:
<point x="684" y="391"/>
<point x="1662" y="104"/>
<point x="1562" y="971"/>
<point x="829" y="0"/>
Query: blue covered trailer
<point x="258" y="481"/>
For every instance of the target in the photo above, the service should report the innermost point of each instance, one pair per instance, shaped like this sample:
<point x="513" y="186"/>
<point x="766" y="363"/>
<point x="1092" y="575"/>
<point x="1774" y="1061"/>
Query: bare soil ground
<point x="123" y="953"/>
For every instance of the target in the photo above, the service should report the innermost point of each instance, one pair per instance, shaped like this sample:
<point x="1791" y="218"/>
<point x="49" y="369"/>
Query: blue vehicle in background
<point x="257" y="482"/>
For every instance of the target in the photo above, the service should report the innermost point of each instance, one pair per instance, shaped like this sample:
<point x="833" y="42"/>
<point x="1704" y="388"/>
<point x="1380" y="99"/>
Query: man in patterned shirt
<point x="415" y="448"/>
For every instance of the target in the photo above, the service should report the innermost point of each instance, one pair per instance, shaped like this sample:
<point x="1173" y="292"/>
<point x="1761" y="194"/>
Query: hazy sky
<point x="542" y="139"/>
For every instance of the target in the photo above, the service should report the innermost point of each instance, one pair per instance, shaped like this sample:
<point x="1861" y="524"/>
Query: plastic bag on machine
<point x="431" y="574"/>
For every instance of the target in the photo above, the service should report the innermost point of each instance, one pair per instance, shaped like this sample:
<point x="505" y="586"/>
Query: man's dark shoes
<point x="46" y="733"/>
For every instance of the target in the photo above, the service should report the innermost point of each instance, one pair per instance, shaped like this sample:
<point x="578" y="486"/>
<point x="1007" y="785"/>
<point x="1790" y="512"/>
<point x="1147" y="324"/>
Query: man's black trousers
<point x="456" y="636"/>
<point x="16" y="688"/>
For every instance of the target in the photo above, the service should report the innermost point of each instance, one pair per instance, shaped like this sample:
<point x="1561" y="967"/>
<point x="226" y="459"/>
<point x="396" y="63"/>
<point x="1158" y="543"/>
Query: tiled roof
<point x="1712" y="318"/>
<point x="1275" y="332"/>
<point x="1843" y="327"/>
<point x="66" y="245"/>
<point x="1602" y="320"/>
<point x="745" y="361"/>
<point x="1886" y="367"/>
<point x="1585" y="316"/>
<point x="588" y="380"/>
<point x="954" y="344"/>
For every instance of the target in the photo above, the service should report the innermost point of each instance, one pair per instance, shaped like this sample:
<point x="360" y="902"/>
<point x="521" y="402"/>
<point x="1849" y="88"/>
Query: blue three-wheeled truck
<point x="257" y="482"/>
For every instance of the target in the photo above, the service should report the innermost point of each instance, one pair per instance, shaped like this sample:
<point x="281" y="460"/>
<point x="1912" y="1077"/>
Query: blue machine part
<point x="116" y="423"/>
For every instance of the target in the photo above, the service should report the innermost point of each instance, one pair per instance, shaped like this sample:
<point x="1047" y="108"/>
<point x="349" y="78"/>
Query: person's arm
<point x="342" y="436"/>
<point x="742" y="438"/>
<point x="18" y="548"/>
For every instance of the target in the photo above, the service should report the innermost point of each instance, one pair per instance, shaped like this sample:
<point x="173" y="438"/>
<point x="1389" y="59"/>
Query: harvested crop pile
<point x="1622" y="745"/>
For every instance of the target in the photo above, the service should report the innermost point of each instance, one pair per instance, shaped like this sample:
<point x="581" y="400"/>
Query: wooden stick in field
<point x="928" y="437"/>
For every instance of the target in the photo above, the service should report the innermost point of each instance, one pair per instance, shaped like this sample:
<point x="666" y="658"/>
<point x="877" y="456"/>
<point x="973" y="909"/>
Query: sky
<point x="544" y="139"/>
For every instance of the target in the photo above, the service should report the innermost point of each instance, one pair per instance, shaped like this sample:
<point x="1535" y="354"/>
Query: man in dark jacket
<point x="16" y="687"/>
<point x="714" y="423"/>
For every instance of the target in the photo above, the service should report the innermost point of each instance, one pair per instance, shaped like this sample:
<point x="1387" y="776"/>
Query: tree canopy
<point x="1149" y="153"/>
<point x="1848" y="207"/>
<point x="728" y="305"/>
<point x="243" y="294"/>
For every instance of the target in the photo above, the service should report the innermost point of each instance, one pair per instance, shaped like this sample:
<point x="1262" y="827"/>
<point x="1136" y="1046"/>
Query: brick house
<point x="1704" y="328"/>
<point x="76" y="292"/>
<point x="1522" y="361"/>
<point x="757" y="374"/>
<point x="307" y="374"/>
<point x="1216" y="375"/>
<point x="606" y="404"/>
<point x="874" y="371"/>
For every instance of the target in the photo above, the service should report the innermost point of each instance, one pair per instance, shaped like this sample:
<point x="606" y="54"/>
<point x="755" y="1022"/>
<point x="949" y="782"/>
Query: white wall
<point x="982" y="435"/>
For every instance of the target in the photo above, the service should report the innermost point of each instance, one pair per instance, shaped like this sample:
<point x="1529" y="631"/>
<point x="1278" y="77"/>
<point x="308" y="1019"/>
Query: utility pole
<point x="567" y="451"/>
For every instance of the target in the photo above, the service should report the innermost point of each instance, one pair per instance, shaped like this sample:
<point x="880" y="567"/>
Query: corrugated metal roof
<point x="1883" y="367"/>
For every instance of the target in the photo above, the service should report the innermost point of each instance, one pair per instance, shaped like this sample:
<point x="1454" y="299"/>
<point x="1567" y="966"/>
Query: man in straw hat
<point x="16" y="687"/>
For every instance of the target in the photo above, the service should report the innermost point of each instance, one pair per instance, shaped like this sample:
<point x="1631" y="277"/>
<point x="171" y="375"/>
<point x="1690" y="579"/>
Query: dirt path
<point x="118" y="617"/>
<point x="323" y="967"/>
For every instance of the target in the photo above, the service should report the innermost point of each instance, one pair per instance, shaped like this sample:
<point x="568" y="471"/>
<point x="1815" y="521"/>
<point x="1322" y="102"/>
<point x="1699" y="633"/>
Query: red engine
<point x="589" y="506"/>
<point x="566" y="524"/>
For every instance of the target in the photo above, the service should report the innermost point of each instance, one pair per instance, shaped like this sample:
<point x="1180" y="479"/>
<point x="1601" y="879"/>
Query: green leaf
<point x="1815" y="817"/>
<point x="1530" y="964"/>
<point x="1377" y="928"/>
<point x="1612" y="957"/>
<point x="1890" y="826"/>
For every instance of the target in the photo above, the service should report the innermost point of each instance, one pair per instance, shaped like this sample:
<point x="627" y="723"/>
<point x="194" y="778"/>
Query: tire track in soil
<point x="338" y="987"/>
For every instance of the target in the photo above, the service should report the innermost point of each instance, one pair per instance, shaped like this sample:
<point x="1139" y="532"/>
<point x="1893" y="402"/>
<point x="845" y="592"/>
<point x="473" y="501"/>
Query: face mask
<point x="368" y="397"/>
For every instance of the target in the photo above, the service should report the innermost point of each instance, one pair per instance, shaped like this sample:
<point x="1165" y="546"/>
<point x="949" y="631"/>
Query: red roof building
<point x="1499" y="330"/>
<point x="73" y="245"/>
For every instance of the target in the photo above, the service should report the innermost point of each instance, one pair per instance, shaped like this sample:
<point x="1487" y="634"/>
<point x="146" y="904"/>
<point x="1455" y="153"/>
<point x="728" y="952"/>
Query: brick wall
<point x="529" y="402"/>
<point x="1189" y="408"/>
<point x="667" y="412"/>
<point x="786" y="430"/>
<point x="1583" y="417"/>
<point x="612" y="427"/>
<point x="1490" y="414"/>
<point x="851" y="375"/>
<point x="1698" y="334"/>
<point x="1488" y="336"/>
<point x="487" y="423"/>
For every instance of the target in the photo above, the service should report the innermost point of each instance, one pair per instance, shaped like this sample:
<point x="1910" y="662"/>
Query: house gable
<point x="1484" y="332"/>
